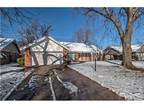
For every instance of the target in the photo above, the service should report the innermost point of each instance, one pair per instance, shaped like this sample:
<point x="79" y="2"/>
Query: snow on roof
<point x="40" y="40"/>
<point x="96" y="48"/>
<point x="135" y="48"/>
<point x="57" y="42"/>
<point x="80" y="47"/>
<point x="33" y="43"/>
<point x="4" y="42"/>
<point x="117" y="48"/>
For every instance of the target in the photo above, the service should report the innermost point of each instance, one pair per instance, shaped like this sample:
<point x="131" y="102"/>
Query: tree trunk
<point x="127" y="53"/>
<point x="126" y="42"/>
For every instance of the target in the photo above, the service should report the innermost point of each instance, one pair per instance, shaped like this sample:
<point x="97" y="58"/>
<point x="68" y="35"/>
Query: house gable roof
<point x="80" y="47"/>
<point x="45" y="38"/>
<point x="5" y="42"/>
<point x="135" y="48"/>
<point x="112" y="50"/>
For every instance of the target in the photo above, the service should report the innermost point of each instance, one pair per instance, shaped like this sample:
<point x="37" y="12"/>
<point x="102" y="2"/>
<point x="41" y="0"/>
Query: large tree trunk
<point x="127" y="53"/>
<point x="126" y="42"/>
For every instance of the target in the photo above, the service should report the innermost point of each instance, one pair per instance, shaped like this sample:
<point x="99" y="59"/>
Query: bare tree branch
<point x="109" y="15"/>
<point x="12" y="15"/>
<point x="34" y="31"/>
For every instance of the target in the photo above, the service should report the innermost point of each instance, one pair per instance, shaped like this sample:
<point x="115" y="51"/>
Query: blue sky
<point x="66" y="21"/>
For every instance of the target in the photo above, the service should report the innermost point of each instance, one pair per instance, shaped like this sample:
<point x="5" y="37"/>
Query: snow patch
<point x="126" y="83"/>
<point x="9" y="78"/>
<point x="71" y="87"/>
<point x="68" y="85"/>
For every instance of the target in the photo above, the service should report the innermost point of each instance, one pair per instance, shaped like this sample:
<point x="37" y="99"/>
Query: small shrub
<point x="20" y="61"/>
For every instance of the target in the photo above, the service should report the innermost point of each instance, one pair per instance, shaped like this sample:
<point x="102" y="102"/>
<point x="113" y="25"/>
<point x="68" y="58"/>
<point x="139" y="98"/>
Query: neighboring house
<point x="138" y="52"/>
<point x="112" y="53"/>
<point x="115" y="52"/>
<point x="9" y="51"/>
<point x="44" y="51"/>
<point x="78" y="52"/>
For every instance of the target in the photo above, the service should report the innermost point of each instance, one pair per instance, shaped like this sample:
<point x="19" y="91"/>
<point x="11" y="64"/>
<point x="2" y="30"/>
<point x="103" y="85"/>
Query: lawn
<point x="124" y="82"/>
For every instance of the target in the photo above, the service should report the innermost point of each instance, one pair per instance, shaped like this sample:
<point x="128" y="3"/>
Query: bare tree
<point x="45" y="29"/>
<point x="123" y="19"/>
<point x="83" y="35"/>
<point x="34" y="31"/>
<point x="12" y="15"/>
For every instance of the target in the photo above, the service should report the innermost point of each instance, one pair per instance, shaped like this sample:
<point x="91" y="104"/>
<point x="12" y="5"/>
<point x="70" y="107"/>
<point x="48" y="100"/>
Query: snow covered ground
<point x="126" y="83"/>
<point x="10" y="75"/>
<point x="139" y="64"/>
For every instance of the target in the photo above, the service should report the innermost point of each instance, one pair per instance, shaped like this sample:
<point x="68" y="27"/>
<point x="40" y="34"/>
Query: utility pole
<point x="95" y="62"/>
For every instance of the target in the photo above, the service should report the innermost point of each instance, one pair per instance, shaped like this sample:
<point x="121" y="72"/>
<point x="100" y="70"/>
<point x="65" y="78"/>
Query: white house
<point x="44" y="51"/>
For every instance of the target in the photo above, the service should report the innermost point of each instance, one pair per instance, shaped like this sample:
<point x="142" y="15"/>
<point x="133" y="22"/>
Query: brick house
<point x="80" y="52"/>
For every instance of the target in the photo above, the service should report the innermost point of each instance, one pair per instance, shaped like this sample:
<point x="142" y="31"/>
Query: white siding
<point x="47" y="46"/>
<point x="40" y="53"/>
<point x="39" y="59"/>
